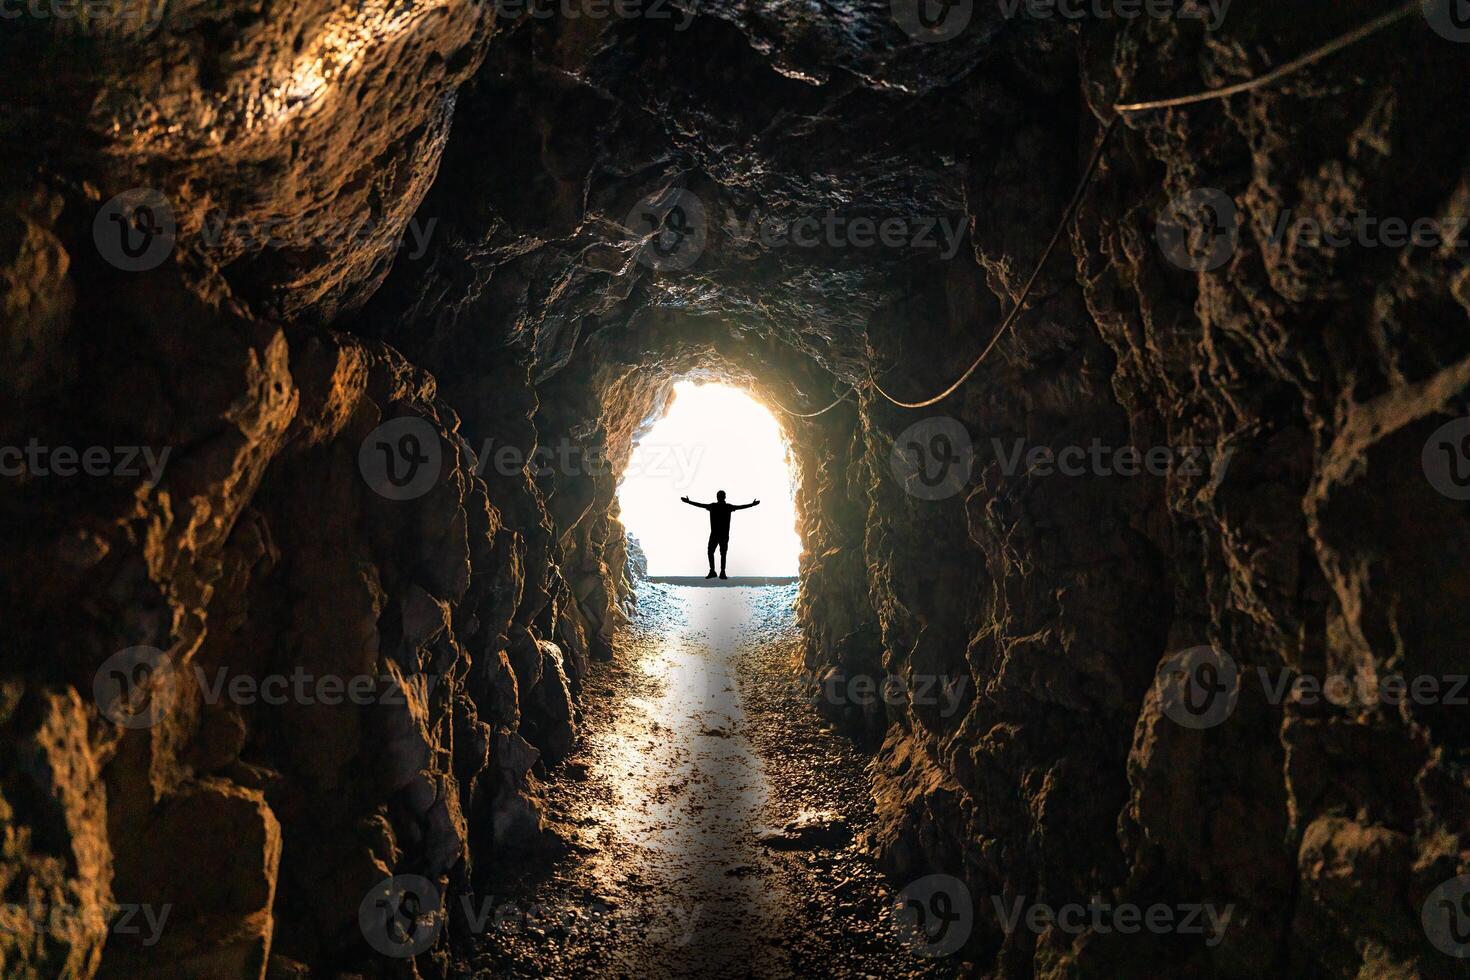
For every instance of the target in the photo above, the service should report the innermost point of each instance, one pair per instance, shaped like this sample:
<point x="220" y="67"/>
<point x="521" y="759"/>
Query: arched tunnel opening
<point x="713" y="436"/>
<point x="1116" y="369"/>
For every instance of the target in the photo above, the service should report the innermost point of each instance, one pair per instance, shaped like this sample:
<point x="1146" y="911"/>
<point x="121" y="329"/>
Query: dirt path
<point x="694" y="744"/>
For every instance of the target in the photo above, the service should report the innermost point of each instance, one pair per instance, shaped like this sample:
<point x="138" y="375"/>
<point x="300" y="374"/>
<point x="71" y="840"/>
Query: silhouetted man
<point x="719" y="528"/>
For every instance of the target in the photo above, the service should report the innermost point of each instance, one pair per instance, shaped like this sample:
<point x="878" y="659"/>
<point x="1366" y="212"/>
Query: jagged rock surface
<point x="528" y="315"/>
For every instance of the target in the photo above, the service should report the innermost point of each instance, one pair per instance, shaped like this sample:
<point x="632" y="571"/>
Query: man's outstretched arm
<point x="695" y="503"/>
<point x="746" y="506"/>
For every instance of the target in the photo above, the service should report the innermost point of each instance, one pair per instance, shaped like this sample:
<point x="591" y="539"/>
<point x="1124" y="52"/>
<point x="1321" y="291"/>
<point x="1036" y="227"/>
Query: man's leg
<point x="713" y="540"/>
<point x="724" y="551"/>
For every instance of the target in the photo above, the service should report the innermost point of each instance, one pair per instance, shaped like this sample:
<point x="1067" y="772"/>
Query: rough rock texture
<point x="423" y="213"/>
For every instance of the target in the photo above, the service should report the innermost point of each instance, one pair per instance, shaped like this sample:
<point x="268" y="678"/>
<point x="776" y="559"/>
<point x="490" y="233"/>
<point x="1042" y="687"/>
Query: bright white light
<point x="713" y="438"/>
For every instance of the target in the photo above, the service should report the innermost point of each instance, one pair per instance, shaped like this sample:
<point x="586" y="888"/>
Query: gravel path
<point x="696" y="753"/>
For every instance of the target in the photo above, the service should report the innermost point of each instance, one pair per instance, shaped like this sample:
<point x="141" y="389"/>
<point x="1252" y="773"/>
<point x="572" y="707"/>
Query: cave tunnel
<point x="1118" y="355"/>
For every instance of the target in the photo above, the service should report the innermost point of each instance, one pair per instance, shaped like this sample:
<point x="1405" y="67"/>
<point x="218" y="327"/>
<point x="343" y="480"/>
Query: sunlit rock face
<point x="434" y="215"/>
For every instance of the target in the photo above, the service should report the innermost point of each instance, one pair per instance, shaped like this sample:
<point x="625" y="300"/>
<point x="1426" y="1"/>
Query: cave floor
<point x="695" y="742"/>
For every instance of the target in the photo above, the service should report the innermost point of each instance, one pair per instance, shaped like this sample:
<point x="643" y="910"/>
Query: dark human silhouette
<point x="719" y="527"/>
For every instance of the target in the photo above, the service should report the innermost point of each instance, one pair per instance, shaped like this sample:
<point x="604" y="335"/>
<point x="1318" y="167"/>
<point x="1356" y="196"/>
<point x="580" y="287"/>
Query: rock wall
<point x="419" y="279"/>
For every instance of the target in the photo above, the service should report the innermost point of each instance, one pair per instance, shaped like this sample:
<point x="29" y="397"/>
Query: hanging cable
<point x="1067" y="214"/>
<point x="811" y="415"/>
<point x="1276" y="74"/>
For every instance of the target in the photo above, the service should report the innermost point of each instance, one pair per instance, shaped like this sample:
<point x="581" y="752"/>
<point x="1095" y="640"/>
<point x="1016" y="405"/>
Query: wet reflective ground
<point x="695" y="745"/>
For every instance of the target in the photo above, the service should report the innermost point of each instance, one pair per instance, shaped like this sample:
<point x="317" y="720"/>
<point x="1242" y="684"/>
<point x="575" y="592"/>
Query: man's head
<point x="720" y="496"/>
